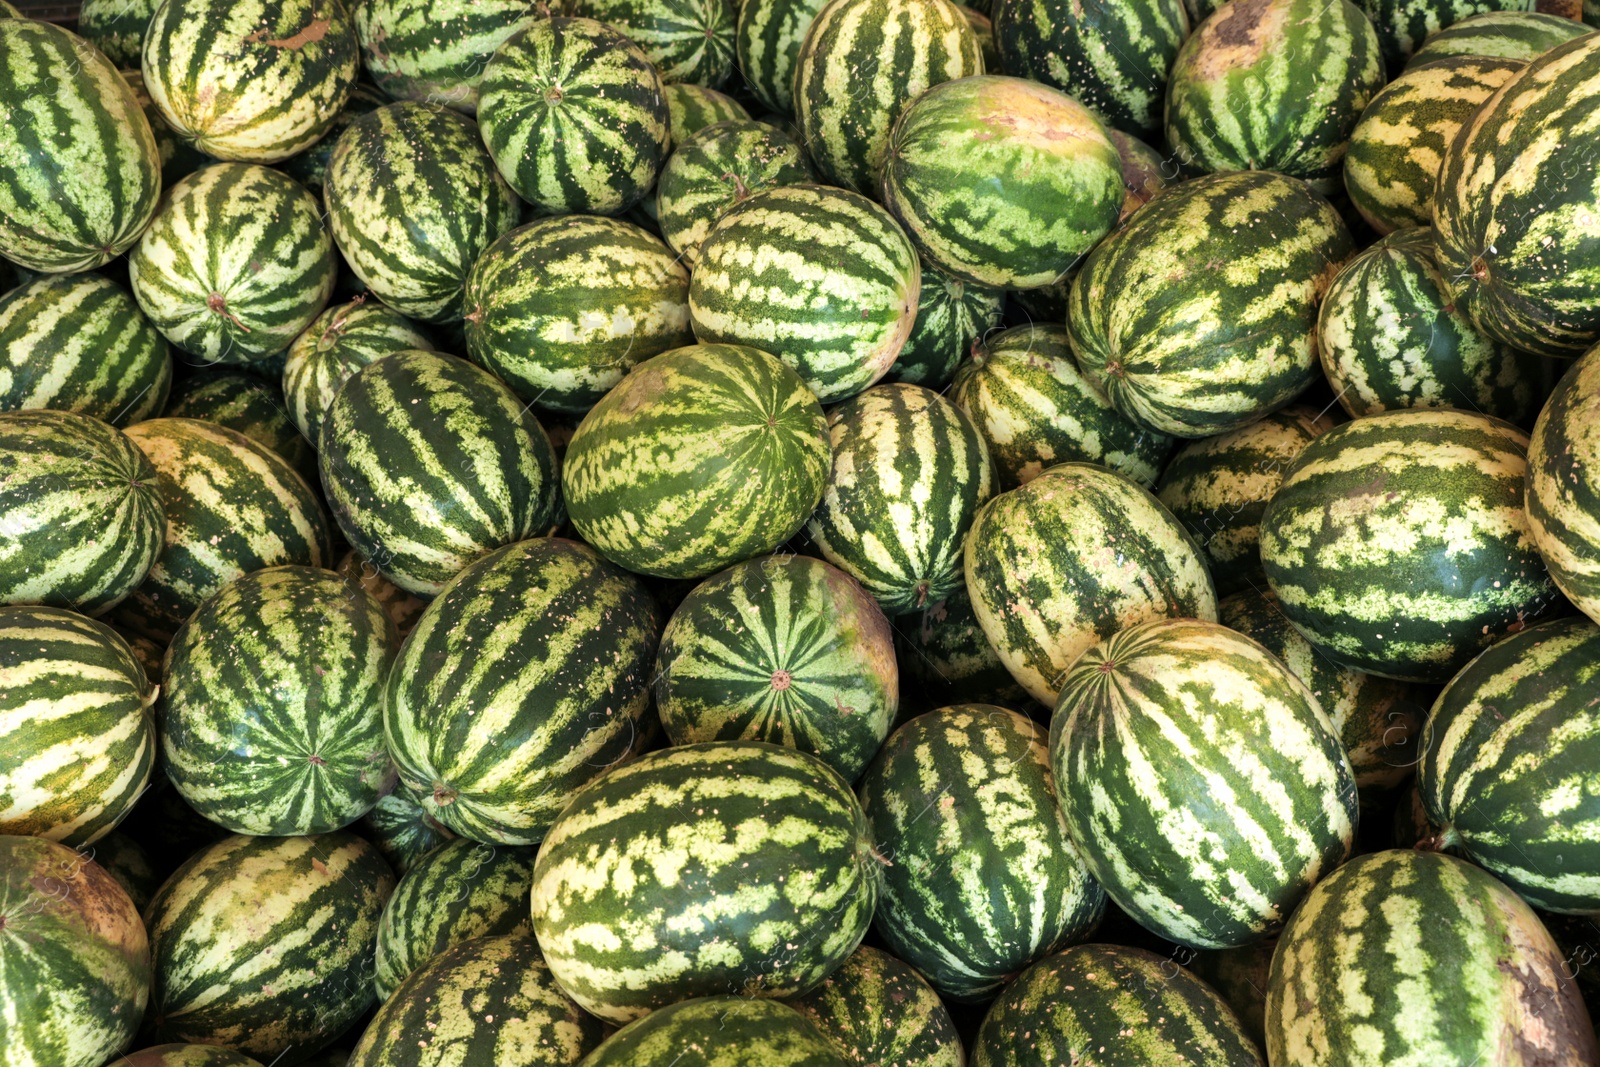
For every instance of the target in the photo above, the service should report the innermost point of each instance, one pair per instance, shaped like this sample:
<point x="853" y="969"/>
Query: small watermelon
<point x="879" y="1010"/>
<point x="952" y="316"/>
<point x="338" y="343"/>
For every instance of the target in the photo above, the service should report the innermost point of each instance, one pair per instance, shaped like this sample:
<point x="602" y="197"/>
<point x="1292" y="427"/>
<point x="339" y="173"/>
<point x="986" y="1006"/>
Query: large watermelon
<point x="952" y="315"/>
<point x="1521" y="35"/>
<point x="879" y="1010"/>
<point x="116" y="27"/>
<point x="250" y="404"/>
<point x="338" y="343"/>
<point x="1563" y="493"/>
<point x="720" y="1031"/>
<point x="767" y="42"/>
<point x="434" y="50"/>
<point x="687" y="40"/>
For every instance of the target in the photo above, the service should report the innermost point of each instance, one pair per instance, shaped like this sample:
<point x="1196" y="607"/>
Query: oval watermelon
<point x="1563" y="490"/>
<point x="952" y="316"/>
<point x="434" y="50"/>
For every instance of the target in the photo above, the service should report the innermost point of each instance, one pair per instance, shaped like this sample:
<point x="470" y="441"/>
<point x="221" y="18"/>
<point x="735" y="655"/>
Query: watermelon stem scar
<point x="219" y="304"/>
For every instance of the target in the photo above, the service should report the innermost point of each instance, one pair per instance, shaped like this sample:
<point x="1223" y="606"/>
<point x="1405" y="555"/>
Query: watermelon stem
<point x="219" y="304"/>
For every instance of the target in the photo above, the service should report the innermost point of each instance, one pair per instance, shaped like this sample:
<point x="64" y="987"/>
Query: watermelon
<point x="116" y="27"/>
<point x="785" y="649"/>
<point x="232" y="508"/>
<point x="1506" y="764"/>
<point x="981" y="878"/>
<point x="1001" y="181"/>
<point x="1168" y="315"/>
<point x="600" y="150"/>
<point x="686" y="40"/>
<point x="179" y="1054"/>
<point x="79" y="170"/>
<point x="1242" y="97"/>
<point x="1402" y="25"/>
<point x="909" y="472"/>
<point x="1408" y="957"/>
<point x="310" y="167"/>
<point x="253" y="81"/>
<point x="562" y="308"/>
<point x="399" y="828"/>
<point x="700" y="458"/>
<point x="459" y="891"/>
<point x="759" y="852"/>
<point x="339" y="342"/>
<point x="1561" y="491"/>
<point x="720" y="1031"/>
<point x="1218" y="487"/>
<point x="236" y="263"/>
<point x="1398" y="145"/>
<point x="861" y="63"/>
<point x="402" y="607"/>
<point x="1144" y="172"/>
<point x="878" y="1010"/>
<point x="1106" y="1004"/>
<point x="983" y="30"/>
<point x="945" y="655"/>
<point x="691" y="108"/>
<point x="178" y="157"/>
<point x="429" y="463"/>
<point x="766" y="43"/>
<point x="951" y="317"/>
<point x="246" y="403"/>
<point x="822" y="278"/>
<point x="1397" y="544"/>
<point x="1072" y="557"/>
<point x="76" y="726"/>
<point x="1195" y="828"/>
<point x="74" y="964"/>
<point x="524" y="678"/>
<point x="1113" y="58"/>
<point x="434" y="51"/>
<point x="413" y="200"/>
<point x="1522" y="35"/>
<point x="1033" y="408"/>
<point x="129" y="863"/>
<point x="83" y="517"/>
<point x="1521" y="254"/>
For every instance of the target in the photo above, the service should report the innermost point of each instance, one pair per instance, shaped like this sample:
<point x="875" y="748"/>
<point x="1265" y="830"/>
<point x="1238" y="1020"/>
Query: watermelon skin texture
<point x="686" y="40"/>
<point x="179" y="1054"/>
<point x="725" y="821"/>
<point x="75" y="962"/>
<point x="1182" y="346"/>
<point x="263" y="945"/>
<point x="983" y="880"/>
<point x="700" y="458"/>
<point x="951" y="316"/>
<point x="178" y="157"/>
<point x="413" y="200"/>
<point x="1563" y="495"/>
<point x="116" y="27"/>
<point x="254" y="81"/>
<point x="1111" y="1005"/>
<point x="1035" y="566"/>
<point x="81" y="174"/>
<point x="1479" y="980"/>
<point x="526" y="677"/>
<point x="429" y="462"/>
<point x="1402" y="25"/>
<point x="557" y="157"/>
<point x="1197" y="830"/>
<point x="878" y="1009"/>
<point x="719" y="1031"/>
<point x="945" y="657"/>
<point x="1523" y="35"/>
<point x="77" y="726"/>
<point x="339" y="342"/>
<point x="1523" y="263"/>
<point x="691" y="108"/>
<point x="399" y="828"/>
<point x="1397" y="543"/>
<point x="1507" y="761"/>
<point x="784" y="649"/>
<point x="434" y="51"/>
<point x="767" y="41"/>
<point x="310" y="167"/>
<point x="247" y="403"/>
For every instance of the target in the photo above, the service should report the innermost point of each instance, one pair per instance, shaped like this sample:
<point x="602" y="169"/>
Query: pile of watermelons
<point x="800" y="533"/>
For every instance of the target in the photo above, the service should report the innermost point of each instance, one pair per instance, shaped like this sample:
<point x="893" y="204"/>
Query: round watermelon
<point x="434" y="51"/>
<point x="686" y="40"/>
<point x="952" y="315"/>
<point x="338" y="343"/>
<point x="878" y="1009"/>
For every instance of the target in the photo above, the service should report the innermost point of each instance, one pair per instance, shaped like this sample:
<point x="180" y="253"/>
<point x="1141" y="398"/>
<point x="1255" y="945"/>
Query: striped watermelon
<point x="340" y="341"/>
<point x="1034" y="409"/>
<point x="700" y="458"/>
<point x="715" y="170"/>
<point x="909" y="472"/>
<point x="430" y="462"/>
<point x="691" y="108"/>
<point x="720" y="1031"/>
<point x="1242" y="97"/>
<point x="598" y="152"/>
<point x="1185" y="347"/>
<point x="1507" y="762"/>
<point x="1114" y="58"/>
<point x="945" y="655"/>
<point x="83" y="517"/>
<point x="79" y="170"/>
<point x="878" y="1010"/>
<point x="1522" y="254"/>
<point x="767" y="42"/>
<point x="434" y="51"/>
<point x="310" y="167"/>
<point x="249" y="404"/>
<point x="1072" y="557"/>
<point x="413" y="200"/>
<point x="490" y="1000"/>
<point x="459" y="891"/>
<point x="1218" y="487"/>
<point x="1397" y="544"/>
<point x="686" y="40"/>
<point x="981" y="878"/>
<point x="1476" y="980"/>
<point x="861" y="64"/>
<point x="116" y="27"/>
<point x="951" y="317"/>
<point x="562" y="308"/>
<point x="524" y="678"/>
<point x="235" y="264"/>
<point x="1523" y="35"/>
<point x="253" y="80"/>
<point x="179" y="1054"/>
<point x="1195" y="828"/>
<point x="74" y="964"/>
<point x="178" y="157"/>
<point x="822" y="278"/>
<point x="399" y="828"/>
<point x="263" y="945"/>
<point x="76" y="726"/>
<point x="1563" y="483"/>
<point x="272" y="701"/>
<point x="1001" y="181"/>
<point x="784" y="649"/>
<point x="758" y="850"/>
<point x="1398" y="145"/>
<point x="1113" y="1005"/>
<point x="1403" y="25"/>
